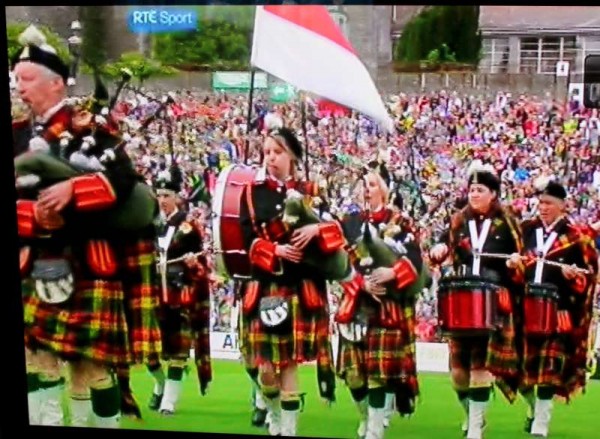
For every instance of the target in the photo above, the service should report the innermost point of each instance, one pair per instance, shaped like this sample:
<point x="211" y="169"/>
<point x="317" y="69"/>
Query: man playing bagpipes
<point x="86" y="283"/>
<point x="185" y="301"/>
<point x="477" y="301"/>
<point x="376" y="315"/>
<point x="559" y="266"/>
<point x="284" y="312"/>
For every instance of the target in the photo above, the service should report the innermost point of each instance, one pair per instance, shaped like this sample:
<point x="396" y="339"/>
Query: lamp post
<point x="74" y="43"/>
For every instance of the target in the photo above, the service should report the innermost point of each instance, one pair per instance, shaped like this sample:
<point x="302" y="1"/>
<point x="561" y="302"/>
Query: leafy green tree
<point x="442" y="34"/>
<point x="13" y="30"/>
<point x="215" y="43"/>
<point x="94" y="32"/>
<point x="141" y="67"/>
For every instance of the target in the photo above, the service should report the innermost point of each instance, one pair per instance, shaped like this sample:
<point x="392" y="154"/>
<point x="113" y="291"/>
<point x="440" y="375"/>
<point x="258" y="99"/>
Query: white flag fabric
<point x="302" y="45"/>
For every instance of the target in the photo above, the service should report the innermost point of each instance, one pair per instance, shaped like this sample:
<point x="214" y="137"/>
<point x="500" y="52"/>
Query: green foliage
<point x="13" y="30"/>
<point x="216" y="42"/>
<point x="442" y="34"/>
<point x="94" y="32"/>
<point x="141" y="67"/>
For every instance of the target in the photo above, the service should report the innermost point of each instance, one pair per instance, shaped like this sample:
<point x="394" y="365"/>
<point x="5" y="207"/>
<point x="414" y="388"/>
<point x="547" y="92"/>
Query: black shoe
<point x="166" y="412"/>
<point x="155" y="401"/>
<point x="129" y="406"/>
<point x="259" y="416"/>
<point x="528" y="425"/>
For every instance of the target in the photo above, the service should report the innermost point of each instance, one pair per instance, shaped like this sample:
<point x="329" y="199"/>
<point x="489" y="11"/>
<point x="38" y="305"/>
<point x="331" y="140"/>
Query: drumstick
<point x="553" y="263"/>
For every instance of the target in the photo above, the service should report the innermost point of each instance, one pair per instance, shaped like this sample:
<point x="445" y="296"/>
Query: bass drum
<point x="231" y="256"/>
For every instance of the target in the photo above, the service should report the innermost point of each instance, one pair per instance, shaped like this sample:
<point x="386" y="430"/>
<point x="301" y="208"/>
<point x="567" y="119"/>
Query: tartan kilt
<point x="176" y="330"/>
<point x="91" y="324"/>
<point x="109" y="321"/>
<point x="384" y="355"/>
<point x="558" y="360"/>
<point x="142" y="299"/>
<point x="496" y="353"/>
<point x="305" y="339"/>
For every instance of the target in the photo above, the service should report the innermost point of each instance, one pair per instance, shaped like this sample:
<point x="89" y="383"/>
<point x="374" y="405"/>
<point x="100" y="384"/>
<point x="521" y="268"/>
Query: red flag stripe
<point x="314" y="18"/>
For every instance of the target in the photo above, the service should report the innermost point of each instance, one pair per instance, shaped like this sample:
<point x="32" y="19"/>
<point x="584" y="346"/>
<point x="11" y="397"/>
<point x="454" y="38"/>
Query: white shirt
<point x="43" y="119"/>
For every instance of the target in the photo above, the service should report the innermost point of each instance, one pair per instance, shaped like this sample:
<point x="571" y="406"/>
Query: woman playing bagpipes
<point x="87" y="285"/>
<point x="376" y="316"/>
<point x="285" y="318"/>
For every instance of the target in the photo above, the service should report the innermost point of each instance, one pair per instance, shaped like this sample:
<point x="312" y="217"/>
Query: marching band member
<point x="555" y="362"/>
<point x="380" y="366"/>
<point x="483" y="226"/>
<point x="185" y="309"/>
<point x="284" y="317"/>
<point x="80" y="277"/>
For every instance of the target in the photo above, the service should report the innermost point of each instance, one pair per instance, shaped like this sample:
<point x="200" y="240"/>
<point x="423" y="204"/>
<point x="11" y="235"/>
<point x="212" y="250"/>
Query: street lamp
<point x="74" y="43"/>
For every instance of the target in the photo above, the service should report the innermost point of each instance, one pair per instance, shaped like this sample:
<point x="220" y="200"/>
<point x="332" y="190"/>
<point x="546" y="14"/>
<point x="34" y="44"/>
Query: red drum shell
<point x="231" y="256"/>
<point x="540" y="306"/>
<point x="468" y="306"/>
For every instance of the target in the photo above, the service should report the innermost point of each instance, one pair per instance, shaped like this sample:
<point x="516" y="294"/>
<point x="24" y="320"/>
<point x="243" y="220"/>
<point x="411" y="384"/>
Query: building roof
<point x="539" y="19"/>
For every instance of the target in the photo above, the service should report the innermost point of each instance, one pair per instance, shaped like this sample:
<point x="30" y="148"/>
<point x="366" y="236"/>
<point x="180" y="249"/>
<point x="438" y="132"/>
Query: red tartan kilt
<point x="385" y="354"/>
<point x="91" y="324"/>
<point x="308" y="339"/>
<point x="468" y="353"/>
<point x="176" y="332"/>
<point x="113" y="322"/>
<point x="496" y="353"/>
<point x="543" y="361"/>
<point x="139" y="280"/>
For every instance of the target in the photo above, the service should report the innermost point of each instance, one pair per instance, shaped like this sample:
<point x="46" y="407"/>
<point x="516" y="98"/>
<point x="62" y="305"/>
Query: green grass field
<point x="226" y="409"/>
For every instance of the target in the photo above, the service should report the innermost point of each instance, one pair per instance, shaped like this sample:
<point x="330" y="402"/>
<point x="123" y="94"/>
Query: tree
<point x="442" y="33"/>
<point x="214" y="43"/>
<point x="13" y="30"/>
<point x="94" y="32"/>
<point x="141" y="67"/>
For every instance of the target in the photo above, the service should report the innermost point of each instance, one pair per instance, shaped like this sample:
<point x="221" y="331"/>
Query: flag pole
<point x="303" y="112"/>
<point x="249" y="116"/>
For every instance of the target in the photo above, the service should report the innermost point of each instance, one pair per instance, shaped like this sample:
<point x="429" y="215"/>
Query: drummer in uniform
<point x="80" y="276"/>
<point x="284" y="315"/>
<point x="483" y="226"/>
<point x="379" y="366"/>
<point x="555" y="363"/>
<point x="185" y="307"/>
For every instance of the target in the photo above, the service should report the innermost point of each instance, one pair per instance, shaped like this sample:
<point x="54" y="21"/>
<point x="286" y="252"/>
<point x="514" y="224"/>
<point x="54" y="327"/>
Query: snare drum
<point x="540" y="307"/>
<point x="468" y="306"/>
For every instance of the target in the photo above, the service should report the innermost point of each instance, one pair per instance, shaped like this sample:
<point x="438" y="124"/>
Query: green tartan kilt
<point x="305" y="338"/>
<point x="110" y="321"/>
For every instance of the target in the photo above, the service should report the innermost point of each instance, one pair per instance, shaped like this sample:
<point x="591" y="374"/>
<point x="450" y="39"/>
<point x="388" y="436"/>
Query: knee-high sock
<point x="106" y="404"/>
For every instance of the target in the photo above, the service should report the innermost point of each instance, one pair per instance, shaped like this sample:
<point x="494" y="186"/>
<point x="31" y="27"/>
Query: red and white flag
<point x="303" y="46"/>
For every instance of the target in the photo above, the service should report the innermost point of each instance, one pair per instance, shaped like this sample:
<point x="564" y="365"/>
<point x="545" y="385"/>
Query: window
<point x="495" y="55"/>
<point x="528" y="55"/>
<point x="540" y="55"/>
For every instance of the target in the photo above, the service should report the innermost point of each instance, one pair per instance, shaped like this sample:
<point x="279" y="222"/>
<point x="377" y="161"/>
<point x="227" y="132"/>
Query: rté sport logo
<point x="157" y="20"/>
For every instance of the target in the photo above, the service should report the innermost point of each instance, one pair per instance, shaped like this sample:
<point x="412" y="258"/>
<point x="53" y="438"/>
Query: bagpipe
<point x="231" y="256"/>
<point x="372" y="251"/>
<point x="46" y="163"/>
